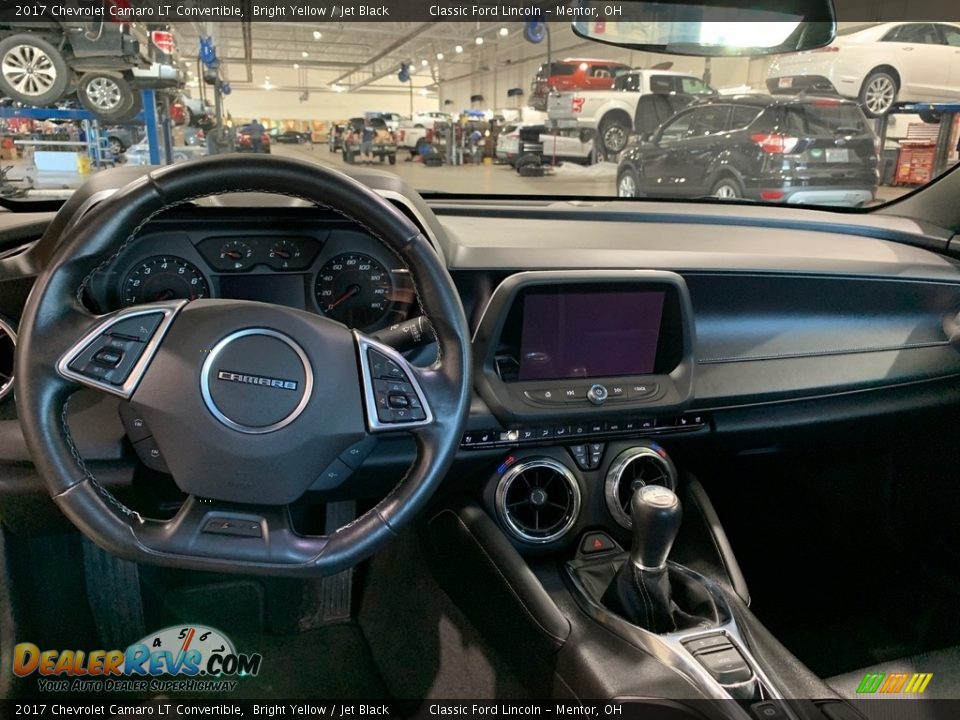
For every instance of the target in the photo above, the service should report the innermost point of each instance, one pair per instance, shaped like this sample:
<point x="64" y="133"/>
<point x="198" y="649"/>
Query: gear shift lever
<point x="645" y="591"/>
<point x="656" y="514"/>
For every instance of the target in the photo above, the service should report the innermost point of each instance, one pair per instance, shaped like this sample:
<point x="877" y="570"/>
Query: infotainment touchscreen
<point x="572" y="333"/>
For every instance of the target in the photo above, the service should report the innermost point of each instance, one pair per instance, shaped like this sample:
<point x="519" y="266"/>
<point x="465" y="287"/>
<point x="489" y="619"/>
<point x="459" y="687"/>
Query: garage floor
<point x="596" y="180"/>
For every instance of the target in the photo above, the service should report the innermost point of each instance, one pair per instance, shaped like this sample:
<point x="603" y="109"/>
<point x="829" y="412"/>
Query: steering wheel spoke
<point x="394" y="391"/>
<point x="113" y="354"/>
<point x="238" y="533"/>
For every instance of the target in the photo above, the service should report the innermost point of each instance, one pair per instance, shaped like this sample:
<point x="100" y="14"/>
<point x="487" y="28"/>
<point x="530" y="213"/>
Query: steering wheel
<point x="249" y="404"/>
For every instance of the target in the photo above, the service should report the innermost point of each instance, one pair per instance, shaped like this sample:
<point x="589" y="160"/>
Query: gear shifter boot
<point x="660" y="601"/>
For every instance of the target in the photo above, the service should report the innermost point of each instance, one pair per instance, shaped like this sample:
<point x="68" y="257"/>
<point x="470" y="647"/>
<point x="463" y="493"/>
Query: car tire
<point x="727" y="189"/>
<point x="627" y="184"/>
<point x="930" y="116"/>
<point x="348" y="157"/>
<point x="614" y="134"/>
<point x="51" y="77"/>
<point x="878" y="93"/>
<point x="107" y="95"/>
<point x="393" y="159"/>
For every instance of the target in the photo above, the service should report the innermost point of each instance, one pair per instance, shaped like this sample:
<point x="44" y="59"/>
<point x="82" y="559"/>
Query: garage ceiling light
<point x="305" y="54"/>
<point x="439" y="56"/>
<point x="459" y="49"/>
<point x="296" y="66"/>
<point x="424" y="62"/>
<point x="317" y="34"/>
<point x="479" y="40"/>
<point x="504" y="32"/>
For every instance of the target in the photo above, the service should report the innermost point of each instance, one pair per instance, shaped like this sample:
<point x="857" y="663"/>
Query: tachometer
<point x="354" y="289"/>
<point x="163" y="277"/>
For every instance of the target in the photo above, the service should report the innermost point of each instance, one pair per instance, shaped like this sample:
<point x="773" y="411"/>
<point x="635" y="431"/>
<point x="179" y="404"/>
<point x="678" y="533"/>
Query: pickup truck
<point x="383" y="147"/>
<point x="612" y="114"/>
<point x="556" y="148"/>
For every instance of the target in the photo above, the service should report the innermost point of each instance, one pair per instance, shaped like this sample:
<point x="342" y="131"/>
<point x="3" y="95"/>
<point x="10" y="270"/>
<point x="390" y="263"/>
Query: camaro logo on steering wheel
<point x="256" y="380"/>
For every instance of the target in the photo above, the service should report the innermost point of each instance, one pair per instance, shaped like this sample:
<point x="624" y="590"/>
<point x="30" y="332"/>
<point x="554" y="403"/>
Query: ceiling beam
<point x="420" y="29"/>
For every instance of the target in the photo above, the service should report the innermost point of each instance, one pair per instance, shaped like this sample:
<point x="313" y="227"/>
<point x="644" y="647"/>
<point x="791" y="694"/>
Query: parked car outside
<point x="429" y="118"/>
<point x="573" y="74"/>
<point x="244" y="142"/>
<point x="878" y="65"/>
<point x="776" y="149"/>
<point x="287" y="137"/>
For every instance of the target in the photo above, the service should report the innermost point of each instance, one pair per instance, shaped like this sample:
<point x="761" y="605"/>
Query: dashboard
<point x="315" y="263"/>
<point x="741" y="324"/>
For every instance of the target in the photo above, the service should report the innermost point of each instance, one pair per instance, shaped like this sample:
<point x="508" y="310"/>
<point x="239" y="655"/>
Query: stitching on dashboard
<point x="821" y="353"/>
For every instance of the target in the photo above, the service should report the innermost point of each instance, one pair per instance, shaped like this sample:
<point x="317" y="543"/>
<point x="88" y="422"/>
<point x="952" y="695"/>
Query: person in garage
<point x="366" y="141"/>
<point x="256" y="136"/>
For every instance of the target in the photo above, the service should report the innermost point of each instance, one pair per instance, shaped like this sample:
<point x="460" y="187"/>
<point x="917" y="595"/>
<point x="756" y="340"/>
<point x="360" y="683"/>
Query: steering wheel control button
<point x="354" y="455"/>
<point x="236" y="527"/>
<point x="597" y="394"/>
<point x="109" y="357"/>
<point x="333" y="476"/>
<point x="133" y="423"/>
<point x="594" y="543"/>
<point x="396" y="400"/>
<point x="150" y="455"/>
<point x="256" y="381"/>
<point x="138" y="327"/>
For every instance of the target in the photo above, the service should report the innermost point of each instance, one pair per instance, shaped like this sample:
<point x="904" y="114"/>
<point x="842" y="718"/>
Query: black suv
<point x="759" y="147"/>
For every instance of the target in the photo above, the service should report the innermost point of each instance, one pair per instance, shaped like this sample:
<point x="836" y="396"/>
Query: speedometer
<point x="354" y="289"/>
<point x="163" y="277"/>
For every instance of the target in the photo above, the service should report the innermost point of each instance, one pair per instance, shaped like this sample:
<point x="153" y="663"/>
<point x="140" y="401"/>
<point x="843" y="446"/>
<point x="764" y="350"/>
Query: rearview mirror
<point x="708" y="27"/>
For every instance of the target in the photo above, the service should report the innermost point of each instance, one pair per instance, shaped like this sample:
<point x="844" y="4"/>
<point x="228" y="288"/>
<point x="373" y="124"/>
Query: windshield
<point x="484" y="106"/>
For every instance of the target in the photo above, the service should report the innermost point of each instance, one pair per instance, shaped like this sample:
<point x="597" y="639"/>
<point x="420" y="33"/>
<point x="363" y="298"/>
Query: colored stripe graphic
<point x="870" y="683"/>
<point x="913" y="683"/>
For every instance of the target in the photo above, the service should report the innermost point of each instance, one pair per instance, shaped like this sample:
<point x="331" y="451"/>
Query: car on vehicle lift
<point x="573" y="74"/>
<point x="782" y="149"/>
<point x="105" y="64"/>
<point x="611" y="114"/>
<point x="878" y="65"/>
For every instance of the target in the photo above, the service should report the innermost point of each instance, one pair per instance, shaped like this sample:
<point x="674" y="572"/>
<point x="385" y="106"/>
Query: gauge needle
<point x="282" y="254"/>
<point x="232" y="254"/>
<point x="351" y="291"/>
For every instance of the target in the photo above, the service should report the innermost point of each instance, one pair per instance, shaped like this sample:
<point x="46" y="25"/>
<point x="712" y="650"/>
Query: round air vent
<point x="538" y="500"/>
<point x="632" y="469"/>
<point x="8" y="345"/>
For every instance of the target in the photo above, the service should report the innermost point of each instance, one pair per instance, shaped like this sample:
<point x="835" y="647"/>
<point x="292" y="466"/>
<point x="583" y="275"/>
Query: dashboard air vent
<point x="646" y="464"/>
<point x="538" y="500"/>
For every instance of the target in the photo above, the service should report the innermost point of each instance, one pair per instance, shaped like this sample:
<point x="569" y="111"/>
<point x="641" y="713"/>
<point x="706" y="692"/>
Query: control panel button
<point x="395" y="398"/>
<point x="727" y="666"/>
<point x="597" y="394"/>
<point x="641" y="391"/>
<point x="110" y="357"/>
<point x="617" y="392"/>
<point x="573" y="393"/>
<point x="546" y="395"/>
<point x="354" y="455"/>
<point x="561" y="431"/>
<point x="700" y="644"/>
<point x="332" y="476"/>
<point x="767" y="710"/>
<point x="594" y="543"/>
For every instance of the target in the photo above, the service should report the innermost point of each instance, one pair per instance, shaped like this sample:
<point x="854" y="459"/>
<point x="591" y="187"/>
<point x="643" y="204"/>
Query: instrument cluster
<point x="345" y="275"/>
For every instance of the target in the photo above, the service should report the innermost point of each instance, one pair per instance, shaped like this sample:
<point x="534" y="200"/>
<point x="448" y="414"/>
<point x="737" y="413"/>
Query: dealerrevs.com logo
<point x="190" y="658"/>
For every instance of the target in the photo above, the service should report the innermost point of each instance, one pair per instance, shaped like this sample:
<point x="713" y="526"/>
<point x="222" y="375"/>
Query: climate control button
<point x="597" y="394"/>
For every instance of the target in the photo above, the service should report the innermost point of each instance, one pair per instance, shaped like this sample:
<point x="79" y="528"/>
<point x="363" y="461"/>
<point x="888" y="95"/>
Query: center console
<point x="565" y="564"/>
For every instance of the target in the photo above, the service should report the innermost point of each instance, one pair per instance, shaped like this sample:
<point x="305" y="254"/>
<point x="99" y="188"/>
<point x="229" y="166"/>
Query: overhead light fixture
<point x="439" y="56"/>
<point x="317" y="34"/>
<point x="424" y="62"/>
<point x="305" y="54"/>
<point x="296" y="66"/>
<point x="479" y="40"/>
<point x="459" y="49"/>
<point x="337" y="87"/>
<point x="423" y="91"/>
<point x="504" y="32"/>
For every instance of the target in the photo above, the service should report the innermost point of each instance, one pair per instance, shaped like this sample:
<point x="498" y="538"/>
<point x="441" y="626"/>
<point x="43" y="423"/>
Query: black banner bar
<point x="649" y="709"/>
<point x="352" y="11"/>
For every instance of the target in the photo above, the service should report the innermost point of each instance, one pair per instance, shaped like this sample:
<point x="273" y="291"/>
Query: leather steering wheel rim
<point x="55" y="318"/>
